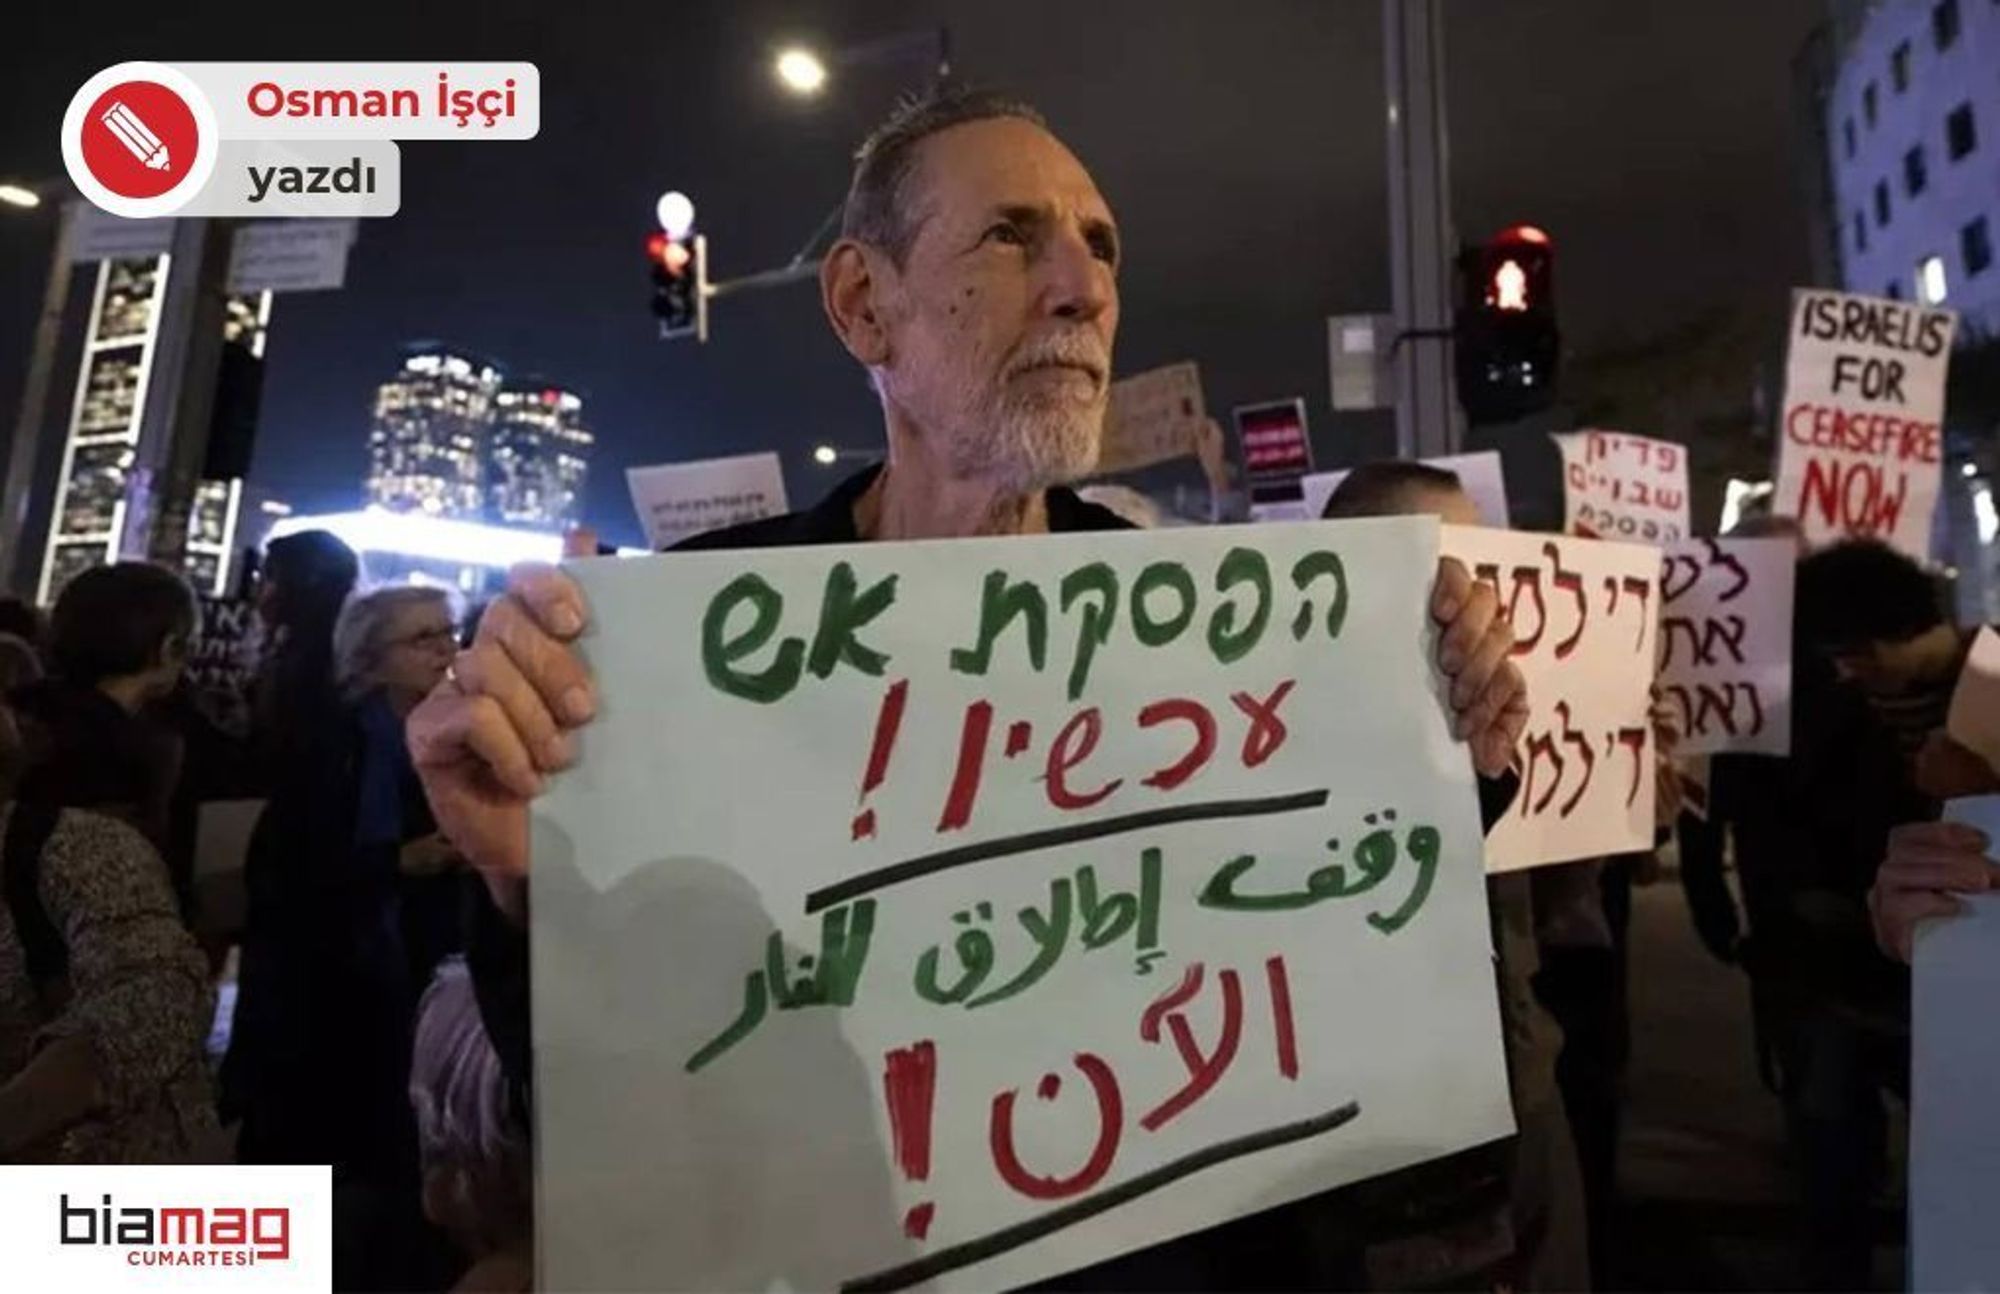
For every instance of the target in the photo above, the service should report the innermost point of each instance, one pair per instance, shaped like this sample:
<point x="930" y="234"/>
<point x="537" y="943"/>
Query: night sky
<point x="1240" y="143"/>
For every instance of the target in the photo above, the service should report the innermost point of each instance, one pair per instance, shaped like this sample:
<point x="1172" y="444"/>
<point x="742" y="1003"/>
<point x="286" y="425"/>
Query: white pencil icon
<point x="135" y="135"/>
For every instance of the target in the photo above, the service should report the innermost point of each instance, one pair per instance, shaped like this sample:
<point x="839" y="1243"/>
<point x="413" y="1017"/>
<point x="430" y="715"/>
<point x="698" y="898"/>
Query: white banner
<point x="677" y="500"/>
<point x="1726" y="644"/>
<point x="1479" y="473"/>
<point x="290" y="255"/>
<point x="1862" y="430"/>
<point x="1626" y="487"/>
<point x="965" y="913"/>
<point x="1585" y="616"/>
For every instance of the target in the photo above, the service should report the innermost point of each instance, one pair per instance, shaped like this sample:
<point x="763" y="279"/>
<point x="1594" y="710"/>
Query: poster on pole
<point x="1585" y="614"/>
<point x="1277" y="448"/>
<point x="1726" y="644"/>
<point x="1620" y="486"/>
<point x="1480" y="473"/>
<point x="953" y="915"/>
<point x="679" y="500"/>
<point x="1861" y="434"/>
<point x="1152" y="417"/>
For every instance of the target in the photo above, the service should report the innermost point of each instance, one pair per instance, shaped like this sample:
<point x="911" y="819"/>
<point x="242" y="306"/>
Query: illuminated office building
<point x="535" y="474"/>
<point x="428" y="446"/>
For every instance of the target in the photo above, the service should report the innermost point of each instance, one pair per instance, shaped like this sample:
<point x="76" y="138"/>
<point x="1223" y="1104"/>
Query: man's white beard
<point x="1024" y="447"/>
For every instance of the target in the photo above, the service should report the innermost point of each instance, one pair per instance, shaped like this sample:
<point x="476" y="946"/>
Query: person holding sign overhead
<point x="976" y="282"/>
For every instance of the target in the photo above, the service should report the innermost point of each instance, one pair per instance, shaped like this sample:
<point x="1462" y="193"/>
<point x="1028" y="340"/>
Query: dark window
<point x="1944" y="23"/>
<point x="1860" y="232"/>
<point x="1975" y="246"/>
<point x="1913" y="171"/>
<point x="1868" y="104"/>
<point x="1881" y="204"/>
<point x="1847" y="135"/>
<point x="1894" y="291"/>
<point x="1959" y="136"/>
<point x="1899" y="67"/>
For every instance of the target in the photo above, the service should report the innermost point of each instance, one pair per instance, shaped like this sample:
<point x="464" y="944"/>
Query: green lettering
<point x="841" y="616"/>
<point x="1094" y="629"/>
<point x="999" y="603"/>
<point x="1309" y="568"/>
<point x="1161" y="575"/>
<point x="719" y="654"/>
<point x="1240" y="566"/>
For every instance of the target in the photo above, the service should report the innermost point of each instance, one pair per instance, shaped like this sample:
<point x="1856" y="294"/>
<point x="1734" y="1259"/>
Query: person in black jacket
<point x="976" y="282"/>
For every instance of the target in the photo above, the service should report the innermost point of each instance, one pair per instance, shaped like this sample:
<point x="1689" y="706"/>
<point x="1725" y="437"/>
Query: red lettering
<point x="1267" y="731"/>
<point x="971" y="763"/>
<point x="1197" y="757"/>
<point x="1090" y="724"/>
<point x="1110" y="1117"/>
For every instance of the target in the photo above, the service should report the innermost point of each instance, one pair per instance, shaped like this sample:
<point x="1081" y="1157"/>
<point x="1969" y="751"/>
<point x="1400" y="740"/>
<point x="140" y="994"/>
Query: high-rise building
<point x="540" y="455"/>
<point x="1910" y="124"/>
<point x="428" y="447"/>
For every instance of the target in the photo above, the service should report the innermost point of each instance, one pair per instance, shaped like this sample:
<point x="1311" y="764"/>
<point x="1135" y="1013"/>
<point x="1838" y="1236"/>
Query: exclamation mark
<point x="909" y="1082"/>
<point x="887" y="723"/>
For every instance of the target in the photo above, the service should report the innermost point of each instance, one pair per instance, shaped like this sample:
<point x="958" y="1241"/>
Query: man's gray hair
<point x="360" y="633"/>
<point x="878" y="206"/>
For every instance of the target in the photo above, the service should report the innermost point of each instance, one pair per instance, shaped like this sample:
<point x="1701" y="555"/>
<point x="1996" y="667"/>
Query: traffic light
<point x="1507" y="341"/>
<point x="680" y="284"/>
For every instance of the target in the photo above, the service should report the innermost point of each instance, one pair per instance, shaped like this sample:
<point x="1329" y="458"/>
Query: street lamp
<point x="675" y="211"/>
<point x="801" y="71"/>
<point x="15" y="195"/>
<point x="826" y="455"/>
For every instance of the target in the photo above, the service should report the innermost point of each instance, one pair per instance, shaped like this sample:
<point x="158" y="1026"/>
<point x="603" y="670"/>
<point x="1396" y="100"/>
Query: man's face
<point x="1001" y="319"/>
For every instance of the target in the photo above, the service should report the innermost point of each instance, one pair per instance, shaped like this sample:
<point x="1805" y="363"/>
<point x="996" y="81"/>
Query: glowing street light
<point x="801" y="71"/>
<point x="16" y="196"/>
<point x="676" y="214"/>
<point x="826" y="455"/>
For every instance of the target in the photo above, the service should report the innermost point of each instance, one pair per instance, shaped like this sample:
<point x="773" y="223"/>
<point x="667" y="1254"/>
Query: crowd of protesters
<point x="381" y="1022"/>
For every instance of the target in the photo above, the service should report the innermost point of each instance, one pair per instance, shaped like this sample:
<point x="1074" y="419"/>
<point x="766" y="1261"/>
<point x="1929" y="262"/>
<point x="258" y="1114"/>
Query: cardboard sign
<point x="1620" y="486"/>
<point x="1481" y="475"/>
<point x="1954" y="1071"/>
<point x="1277" y="450"/>
<point x="1862" y="430"/>
<point x="679" y="500"/>
<point x="1585" y="616"/>
<point x="1153" y="416"/>
<point x="1726" y="644"/>
<point x="957" y="914"/>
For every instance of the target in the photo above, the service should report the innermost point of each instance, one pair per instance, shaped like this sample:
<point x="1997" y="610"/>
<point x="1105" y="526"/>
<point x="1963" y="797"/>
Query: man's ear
<point x="849" y="291"/>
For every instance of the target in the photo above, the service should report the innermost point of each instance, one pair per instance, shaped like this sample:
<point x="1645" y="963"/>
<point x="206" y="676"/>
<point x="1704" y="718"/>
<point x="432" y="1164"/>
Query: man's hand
<point x="485" y="737"/>
<point x="1489" y="698"/>
<point x="1928" y="863"/>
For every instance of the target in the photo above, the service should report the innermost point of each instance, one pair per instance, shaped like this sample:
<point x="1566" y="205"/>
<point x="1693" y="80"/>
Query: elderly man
<point x="977" y="283"/>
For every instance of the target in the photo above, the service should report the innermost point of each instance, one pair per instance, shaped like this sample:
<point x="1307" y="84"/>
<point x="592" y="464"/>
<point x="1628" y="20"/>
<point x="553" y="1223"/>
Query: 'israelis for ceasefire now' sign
<point x="1862" y="438"/>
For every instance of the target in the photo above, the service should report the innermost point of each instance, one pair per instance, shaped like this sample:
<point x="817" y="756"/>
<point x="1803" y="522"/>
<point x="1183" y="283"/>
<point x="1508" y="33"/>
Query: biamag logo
<point x="154" y="1227"/>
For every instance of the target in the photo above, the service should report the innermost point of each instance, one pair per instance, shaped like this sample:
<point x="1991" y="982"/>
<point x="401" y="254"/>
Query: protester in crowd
<point x="1872" y="657"/>
<point x="391" y="647"/>
<point x="478" y="1172"/>
<point x="104" y="998"/>
<point x="976" y="282"/>
<point x="118" y="643"/>
<point x="1530" y="1192"/>
<point x="19" y="619"/>
<point x="20" y="664"/>
<point x="306" y="579"/>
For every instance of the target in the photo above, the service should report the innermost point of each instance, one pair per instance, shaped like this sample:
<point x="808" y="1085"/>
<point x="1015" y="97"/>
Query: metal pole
<point x="1421" y="239"/>
<point x="26" y="449"/>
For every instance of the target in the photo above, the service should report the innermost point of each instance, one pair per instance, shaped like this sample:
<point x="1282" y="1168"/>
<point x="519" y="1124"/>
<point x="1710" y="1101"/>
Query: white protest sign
<point x="678" y="500"/>
<point x="1974" y="720"/>
<point x="1585" y="615"/>
<point x="1726" y="644"/>
<point x="1862" y="429"/>
<point x="1954" y="1072"/>
<point x="1152" y="417"/>
<point x="968" y="912"/>
<point x="1479" y="473"/>
<point x="1621" y="486"/>
<point x="303" y="255"/>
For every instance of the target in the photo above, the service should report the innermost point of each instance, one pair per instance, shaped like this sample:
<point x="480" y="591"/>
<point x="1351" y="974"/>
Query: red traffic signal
<point x="1507" y="342"/>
